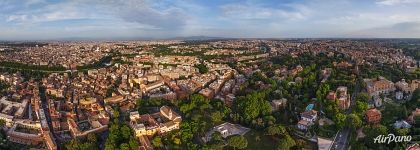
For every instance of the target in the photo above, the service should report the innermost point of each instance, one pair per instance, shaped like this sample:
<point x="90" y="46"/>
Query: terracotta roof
<point x="372" y="112"/>
<point x="309" y="113"/>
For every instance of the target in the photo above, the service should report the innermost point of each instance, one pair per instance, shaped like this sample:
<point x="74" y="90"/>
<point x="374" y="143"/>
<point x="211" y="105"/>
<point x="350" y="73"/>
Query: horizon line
<point x="200" y="38"/>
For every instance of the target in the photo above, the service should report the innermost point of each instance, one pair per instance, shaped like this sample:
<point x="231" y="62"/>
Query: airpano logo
<point x="392" y="138"/>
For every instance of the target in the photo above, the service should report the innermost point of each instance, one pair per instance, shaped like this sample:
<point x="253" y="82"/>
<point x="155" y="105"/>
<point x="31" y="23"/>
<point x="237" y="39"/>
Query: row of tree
<point x="31" y="67"/>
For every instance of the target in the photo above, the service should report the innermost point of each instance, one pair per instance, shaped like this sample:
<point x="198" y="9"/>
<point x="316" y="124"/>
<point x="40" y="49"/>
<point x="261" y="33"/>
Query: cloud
<point x="247" y="11"/>
<point x="144" y="12"/>
<point x="247" y="18"/>
<point x="46" y="17"/>
<point x="149" y="12"/>
<point x="396" y="2"/>
<point x="398" y="30"/>
<point x="12" y="18"/>
<point x="48" y="12"/>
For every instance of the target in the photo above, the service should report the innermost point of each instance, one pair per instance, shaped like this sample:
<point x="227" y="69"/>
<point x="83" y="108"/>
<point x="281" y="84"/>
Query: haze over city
<point x="131" y="19"/>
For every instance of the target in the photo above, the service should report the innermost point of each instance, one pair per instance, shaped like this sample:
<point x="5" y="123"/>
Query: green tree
<point x="354" y="121"/>
<point x="116" y="115"/>
<point x="215" y="146"/>
<point x="157" y="142"/>
<point x="91" y="138"/>
<point x="404" y="112"/>
<point x="363" y="97"/>
<point x="124" y="146"/>
<point x="253" y="105"/>
<point x="125" y="132"/>
<point x="88" y="146"/>
<point x="216" y="136"/>
<point x="237" y="142"/>
<point x="275" y="130"/>
<point x="269" y="120"/>
<point x="286" y="143"/>
<point x="134" y="145"/>
<point x="361" y="107"/>
<point x="340" y="120"/>
<point x="2" y="123"/>
<point x="216" y="142"/>
<point x="416" y="95"/>
<point x="331" y="109"/>
<point x="202" y="68"/>
<point x="301" y="144"/>
<point x="73" y="145"/>
<point x="322" y="91"/>
<point x="372" y="132"/>
<point x="402" y="132"/>
<point x="110" y="145"/>
<point x="217" y="116"/>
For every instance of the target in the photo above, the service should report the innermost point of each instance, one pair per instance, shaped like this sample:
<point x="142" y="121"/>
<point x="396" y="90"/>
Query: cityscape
<point x="162" y="80"/>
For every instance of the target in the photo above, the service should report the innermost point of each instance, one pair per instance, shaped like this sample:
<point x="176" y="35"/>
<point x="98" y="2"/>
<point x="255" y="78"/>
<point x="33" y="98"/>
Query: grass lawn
<point x="265" y="142"/>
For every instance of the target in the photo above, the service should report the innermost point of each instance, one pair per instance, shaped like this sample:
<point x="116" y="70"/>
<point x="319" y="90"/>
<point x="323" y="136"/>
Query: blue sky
<point x="113" y="19"/>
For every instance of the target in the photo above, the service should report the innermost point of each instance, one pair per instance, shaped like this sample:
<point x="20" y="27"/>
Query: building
<point x="145" y="143"/>
<point x="414" y="114"/>
<point x="403" y="86"/>
<point x="114" y="100"/>
<point x="279" y="103"/>
<point x="207" y="93"/>
<point x="399" y="95"/>
<point x="226" y="129"/>
<point x="25" y="132"/>
<point x="150" y="124"/>
<point x="402" y="124"/>
<point x="94" y="124"/>
<point x="378" y="86"/>
<point x="15" y="106"/>
<point x="148" y="87"/>
<point x="343" y="97"/>
<point x="143" y="124"/>
<point x="308" y="118"/>
<point x="376" y="101"/>
<point x="8" y="119"/>
<point x="414" y="146"/>
<point x="415" y="84"/>
<point x="90" y="104"/>
<point x="373" y="116"/>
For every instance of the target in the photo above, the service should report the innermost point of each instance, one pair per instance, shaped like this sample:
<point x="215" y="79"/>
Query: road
<point x="44" y="106"/>
<point x="342" y="137"/>
<point x="341" y="140"/>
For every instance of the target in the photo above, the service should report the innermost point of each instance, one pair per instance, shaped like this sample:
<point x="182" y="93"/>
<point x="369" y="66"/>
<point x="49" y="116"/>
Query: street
<point x="341" y="140"/>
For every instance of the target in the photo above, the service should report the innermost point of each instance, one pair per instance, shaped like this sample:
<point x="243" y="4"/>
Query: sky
<point x="158" y="19"/>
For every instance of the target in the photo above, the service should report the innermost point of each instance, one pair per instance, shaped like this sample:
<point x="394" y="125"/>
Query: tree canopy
<point x="237" y="142"/>
<point x="253" y="105"/>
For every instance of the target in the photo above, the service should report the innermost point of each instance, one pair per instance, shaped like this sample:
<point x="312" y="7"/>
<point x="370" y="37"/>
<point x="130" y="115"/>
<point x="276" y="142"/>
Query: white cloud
<point x="246" y="11"/>
<point x="144" y="12"/>
<point x="248" y="18"/>
<point x="396" y="2"/>
<point x="19" y="18"/>
<point x="50" y="12"/>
